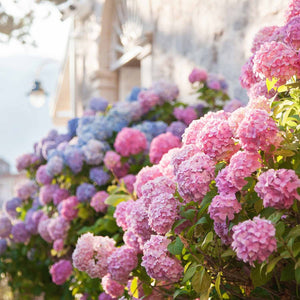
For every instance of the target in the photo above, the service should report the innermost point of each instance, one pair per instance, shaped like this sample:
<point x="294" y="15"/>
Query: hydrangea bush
<point x="74" y="182"/>
<point x="218" y="215"/>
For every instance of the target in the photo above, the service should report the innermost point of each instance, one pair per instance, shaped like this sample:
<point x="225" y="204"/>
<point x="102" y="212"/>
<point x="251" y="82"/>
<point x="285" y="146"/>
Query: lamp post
<point x="37" y="95"/>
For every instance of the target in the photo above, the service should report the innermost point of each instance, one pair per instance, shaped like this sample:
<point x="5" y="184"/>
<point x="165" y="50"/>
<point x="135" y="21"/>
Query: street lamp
<point x="37" y="95"/>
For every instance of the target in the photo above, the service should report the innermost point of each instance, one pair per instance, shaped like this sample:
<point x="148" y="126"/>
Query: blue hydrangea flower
<point x="85" y="192"/>
<point x="99" y="176"/>
<point x="98" y="104"/>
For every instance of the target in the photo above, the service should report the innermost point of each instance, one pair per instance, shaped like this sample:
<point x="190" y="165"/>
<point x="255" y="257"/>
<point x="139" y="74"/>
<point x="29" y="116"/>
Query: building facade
<point x="124" y="43"/>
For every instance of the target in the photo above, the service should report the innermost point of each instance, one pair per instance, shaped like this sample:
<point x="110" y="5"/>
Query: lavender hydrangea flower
<point x="74" y="159"/>
<point x="93" y="152"/>
<point x="99" y="176"/>
<point x="20" y="233"/>
<point x="85" y="192"/>
<point x="55" y="165"/>
<point x="3" y="246"/>
<point x="43" y="176"/>
<point x="98" y="104"/>
<point x="5" y="227"/>
<point x="11" y="205"/>
<point x="177" y="128"/>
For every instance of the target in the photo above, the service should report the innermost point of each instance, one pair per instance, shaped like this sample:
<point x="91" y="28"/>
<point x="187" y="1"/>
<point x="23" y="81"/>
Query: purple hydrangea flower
<point x="5" y="227"/>
<point x="11" y="205"/>
<point x="20" y="233"/>
<point x="85" y="192"/>
<point x="3" y="246"/>
<point x="99" y="176"/>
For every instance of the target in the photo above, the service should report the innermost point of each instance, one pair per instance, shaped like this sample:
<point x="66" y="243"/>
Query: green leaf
<point x="201" y="281"/>
<point x="258" y="205"/>
<point x="284" y="152"/>
<point x="297" y="275"/>
<point x="287" y="273"/>
<point x="271" y="265"/>
<point x="217" y="285"/>
<point x="203" y="220"/>
<point x="275" y="217"/>
<point x="259" y="278"/>
<point x="176" y="247"/>
<point x="228" y="252"/>
<point x="280" y="228"/>
<point x="209" y="237"/>
<point x="178" y="223"/>
<point x="295" y="232"/>
<point x="189" y="273"/>
<point x="115" y="199"/>
<point x="296" y="249"/>
<point x="134" y="288"/>
<point x="179" y="292"/>
<point x="189" y="214"/>
<point x="282" y="88"/>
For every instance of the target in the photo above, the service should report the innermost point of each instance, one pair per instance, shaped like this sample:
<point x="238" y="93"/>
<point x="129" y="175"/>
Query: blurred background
<point x="56" y="55"/>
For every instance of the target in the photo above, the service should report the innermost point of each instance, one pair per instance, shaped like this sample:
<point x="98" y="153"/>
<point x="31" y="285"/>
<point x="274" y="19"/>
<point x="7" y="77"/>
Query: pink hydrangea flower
<point x="278" y="188"/>
<point x="292" y="30"/>
<point x="69" y="208"/>
<point x="121" y="213"/>
<point x="129" y="181"/>
<point x="242" y="164"/>
<point x="146" y="174"/>
<point x="112" y="161"/>
<point x="121" y="263"/>
<point x="156" y="187"/>
<point x="197" y="75"/>
<point x="138" y="222"/>
<point x="236" y="118"/>
<point x="91" y="254"/>
<point x="293" y="10"/>
<point x="186" y="115"/>
<point x="161" y="145"/>
<point x="104" y="296"/>
<point x="259" y="90"/>
<point x="58" y="245"/>
<point x="276" y="60"/>
<point x="163" y="212"/>
<point x="216" y="140"/>
<point x="254" y="240"/>
<point x="111" y="287"/>
<point x="158" y="264"/>
<point x="131" y="240"/>
<point x="233" y="105"/>
<point x="98" y="201"/>
<point x="148" y="99"/>
<point x="191" y="133"/>
<point x="184" y="153"/>
<point x="194" y="176"/>
<point x="223" y="183"/>
<point x="248" y="77"/>
<point x="262" y="36"/>
<point x="165" y="166"/>
<point x="61" y="271"/>
<point x="130" y="141"/>
<point x="223" y="207"/>
<point x="260" y="103"/>
<point x="58" y="228"/>
<point x="258" y="131"/>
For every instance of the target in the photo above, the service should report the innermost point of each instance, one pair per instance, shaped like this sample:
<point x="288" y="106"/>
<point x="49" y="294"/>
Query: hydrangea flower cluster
<point x="254" y="240"/>
<point x="274" y="54"/>
<point x="61" y="271"/>
<point x="278" y="188"/>
<point x="130" y="141"/>
<point x="158" y="264"/>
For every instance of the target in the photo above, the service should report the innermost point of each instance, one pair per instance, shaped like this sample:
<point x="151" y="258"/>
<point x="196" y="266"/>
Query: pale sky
<point x="21" y="124"/>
